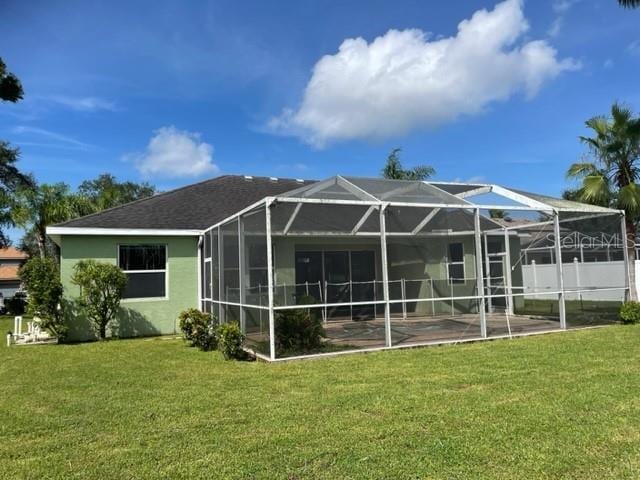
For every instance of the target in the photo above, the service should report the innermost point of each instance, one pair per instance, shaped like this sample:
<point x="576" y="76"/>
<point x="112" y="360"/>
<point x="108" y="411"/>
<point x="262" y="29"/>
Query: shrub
<point x="299" y="330"/>
<point x="199" y="329"/>
<point x="230" y="339"/>
<point x="630" y="312"/>
<point x="101" y="288"/>
<point x="16" y="305"/>
<point x="41" y="278"/>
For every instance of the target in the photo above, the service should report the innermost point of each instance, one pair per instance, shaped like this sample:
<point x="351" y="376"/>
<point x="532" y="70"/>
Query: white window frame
<point x="449" y="262"/>
<point x="165" y="271"/>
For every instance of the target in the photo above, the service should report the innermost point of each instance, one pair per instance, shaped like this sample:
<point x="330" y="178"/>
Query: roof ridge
<point x="141" y="200"/>
<point x="175" y="190"/>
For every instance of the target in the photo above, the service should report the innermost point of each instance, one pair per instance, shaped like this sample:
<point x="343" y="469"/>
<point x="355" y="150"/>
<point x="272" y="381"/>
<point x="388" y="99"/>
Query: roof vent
<point x="273" y="179"/>
<point x="248" y="177"/>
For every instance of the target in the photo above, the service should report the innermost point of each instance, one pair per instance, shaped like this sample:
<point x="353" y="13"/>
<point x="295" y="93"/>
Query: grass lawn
<point x="554" y="406"/>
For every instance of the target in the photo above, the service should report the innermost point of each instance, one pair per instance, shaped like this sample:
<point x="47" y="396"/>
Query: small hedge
<point x="630" y="312"/>
<point x="201" y="330"/>
<point x="299" y="330"/>
<point x="230" y="340"/>
<point x="17" y="304"/>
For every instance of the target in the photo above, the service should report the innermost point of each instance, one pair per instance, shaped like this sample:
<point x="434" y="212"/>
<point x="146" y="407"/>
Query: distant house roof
<point x="9" y="272"/>
<point x="12" y="253"/>
<point x="196" y="206"/>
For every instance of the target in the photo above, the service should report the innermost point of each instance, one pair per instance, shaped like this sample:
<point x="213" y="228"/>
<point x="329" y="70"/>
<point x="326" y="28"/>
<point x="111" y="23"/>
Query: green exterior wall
<point x="137" y="317"/>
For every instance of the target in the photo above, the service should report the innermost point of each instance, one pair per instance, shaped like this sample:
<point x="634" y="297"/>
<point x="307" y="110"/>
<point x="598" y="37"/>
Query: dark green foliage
<point x="629" y="3"/>
<point x="299" y="330"/>
<point x="101" y="288"/>
<point x="230" y="340"/>
<point x="199" y="329"/>
<point x="10" y="177"/>
<point x="37" y="206"/>
<point x="630" y="312"/>
<point x="41" y="278"/>
<point x="10" y="86"/>
<point x="17" y="304"/>
<point x="393" y="169"/>
<point x="106" y="192"/>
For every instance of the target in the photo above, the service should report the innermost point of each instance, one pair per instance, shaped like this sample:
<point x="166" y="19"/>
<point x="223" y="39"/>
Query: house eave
<point x="158" y="232"/>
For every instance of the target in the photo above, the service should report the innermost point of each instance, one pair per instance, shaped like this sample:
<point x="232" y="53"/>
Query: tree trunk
<point x="42" y="245"/>
<point x="103" y="331"/>
<point x="631" y="254"/>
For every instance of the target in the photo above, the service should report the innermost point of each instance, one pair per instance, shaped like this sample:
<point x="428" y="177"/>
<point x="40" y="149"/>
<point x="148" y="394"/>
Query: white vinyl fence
<point x="577" y="275"/>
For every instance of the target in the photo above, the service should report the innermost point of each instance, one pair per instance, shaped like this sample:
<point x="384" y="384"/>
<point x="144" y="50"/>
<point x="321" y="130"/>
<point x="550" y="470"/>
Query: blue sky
<point x="175" y="92"/>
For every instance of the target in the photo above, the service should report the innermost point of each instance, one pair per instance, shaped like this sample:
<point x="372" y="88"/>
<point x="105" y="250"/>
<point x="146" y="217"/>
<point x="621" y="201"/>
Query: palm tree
<point x="610" y="179"/>
<point x="629" y="3"/>
<point x="43" y="205"/>
<point x="499" y="214"/>
<point x="393" y="169"/>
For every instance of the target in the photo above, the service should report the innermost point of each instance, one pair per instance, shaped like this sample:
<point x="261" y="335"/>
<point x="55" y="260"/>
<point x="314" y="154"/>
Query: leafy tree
<point x="610" y="178"/>
<point x="10" y="177"/>
<point x="42" y="205"/>
<point x="393" y="169"/>
<point x="41" y="277"/>
<point x="106" y="192"/>
<point x="629" y="3"/>
<point x="10" y="86"/>
<point x="101" y="288"/>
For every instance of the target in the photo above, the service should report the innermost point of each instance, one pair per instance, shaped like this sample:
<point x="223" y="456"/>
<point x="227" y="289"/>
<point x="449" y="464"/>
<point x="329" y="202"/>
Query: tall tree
<point x="11" y="179"/>
<point x="37" y="207"/>
<point x="393" y="169"/>
<point x="629" y="3"/>
<point x="106" y="192"/>
<point x="10" y="86"/>
<point x="610" y="178"/>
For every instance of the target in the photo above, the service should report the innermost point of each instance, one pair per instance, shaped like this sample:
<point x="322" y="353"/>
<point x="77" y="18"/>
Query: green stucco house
<point x="381" y="262"/>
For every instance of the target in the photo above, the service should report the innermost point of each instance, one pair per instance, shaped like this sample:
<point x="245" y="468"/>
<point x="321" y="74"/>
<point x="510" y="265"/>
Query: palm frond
<point x="629" y="3"/>
<point x="629" y="199"/>
<point x="581" y="170"/>
<point x="595" y="190"/>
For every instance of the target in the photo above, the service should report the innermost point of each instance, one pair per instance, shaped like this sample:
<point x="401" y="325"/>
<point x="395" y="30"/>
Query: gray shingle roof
<point x="194" y="207"/>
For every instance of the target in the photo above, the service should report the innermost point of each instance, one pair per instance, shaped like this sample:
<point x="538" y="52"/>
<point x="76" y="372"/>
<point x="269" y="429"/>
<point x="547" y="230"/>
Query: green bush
<point x="299" y="330"/>
<point x="101" y="288"/>
<point x="17" y="304"/>
<point x="41" y="278"/>
<point x="199" y="329"/>
<point x="230" y="340"/>
<point x="630" y="312"/>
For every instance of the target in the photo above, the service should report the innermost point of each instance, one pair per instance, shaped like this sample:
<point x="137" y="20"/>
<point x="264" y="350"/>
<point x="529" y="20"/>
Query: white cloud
<point x="403" y="80"/>
<point x="560" y="8"/>
<point x="84" y="104"/>
<point x="173" y="153"/>
<point x="59" y="140"/>
<point x="556" y="26"/>
<point x="563" y="6"/>
<point x="634" y="48"/>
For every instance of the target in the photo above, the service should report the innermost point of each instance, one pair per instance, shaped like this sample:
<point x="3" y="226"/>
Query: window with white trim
<point x="455" y="263"/>
<point x="146" y="270"/>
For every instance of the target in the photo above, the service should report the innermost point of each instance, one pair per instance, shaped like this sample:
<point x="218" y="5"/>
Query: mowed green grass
<point x="555" y="406"/>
